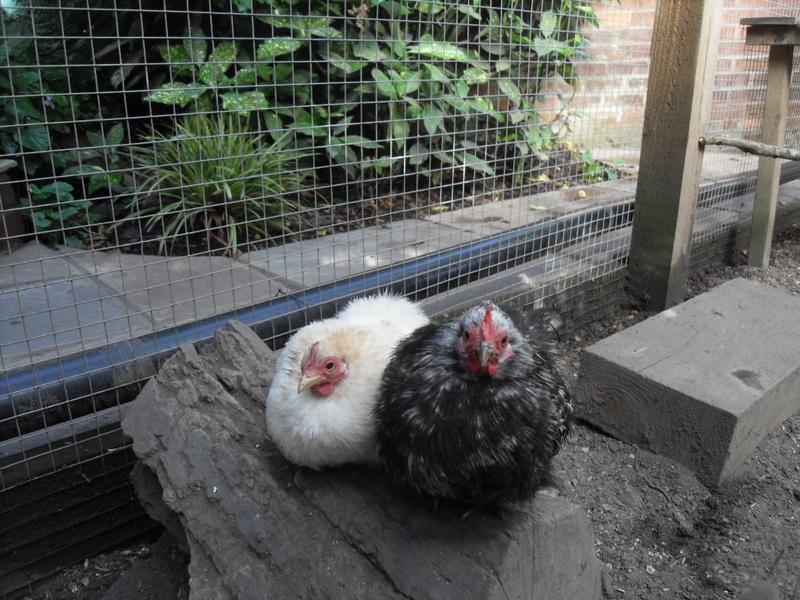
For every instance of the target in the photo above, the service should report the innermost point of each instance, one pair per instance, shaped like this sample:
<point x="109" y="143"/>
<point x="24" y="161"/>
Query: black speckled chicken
<point x="474" y="410"/>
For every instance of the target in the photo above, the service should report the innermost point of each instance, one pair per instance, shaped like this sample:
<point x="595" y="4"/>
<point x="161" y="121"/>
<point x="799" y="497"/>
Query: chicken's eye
<point x="330" y="365"/>
<point x="504" y="341"/>
<point x="466" y="335"/>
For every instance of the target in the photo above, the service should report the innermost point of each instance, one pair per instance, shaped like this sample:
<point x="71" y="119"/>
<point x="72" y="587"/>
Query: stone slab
<point x="175" y="290"/>
<point x="498" y="217"/>
<point x="49" y="308"/>
<point x="257" y="526"/>
<point x="703" y="382"/>
<point x="322" y="260"/>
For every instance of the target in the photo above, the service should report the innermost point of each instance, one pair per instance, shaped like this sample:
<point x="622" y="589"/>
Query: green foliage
<point x="52" y="208"/>
<point x="215" y="177"/>
<point x="207" y="74"/>
<point x="409" y="83"/>
<point x="594" y="171"/>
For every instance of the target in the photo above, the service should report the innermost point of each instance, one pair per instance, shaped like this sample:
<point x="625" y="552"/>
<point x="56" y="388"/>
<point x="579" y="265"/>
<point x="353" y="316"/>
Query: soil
<point x="660" y="533"/>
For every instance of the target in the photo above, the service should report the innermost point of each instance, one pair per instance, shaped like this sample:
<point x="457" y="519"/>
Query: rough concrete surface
<point x="702" y="383"/>
<point x="258" y="527"/>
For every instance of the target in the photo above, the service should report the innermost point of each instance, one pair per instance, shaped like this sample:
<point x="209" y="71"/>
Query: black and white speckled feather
<point x="450" y="433"/>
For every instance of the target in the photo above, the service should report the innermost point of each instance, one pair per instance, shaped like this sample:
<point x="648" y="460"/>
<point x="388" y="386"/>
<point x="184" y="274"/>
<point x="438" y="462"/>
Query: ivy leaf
<point x="437" y="74"/>
<point x="244" y="76"/>
<point x="430" y="8"/>
<point x="79" y="170"/>
<point x="368" y="50"/>
<point x="473" y="76"/>
<point x="244" y="102"/>
<point x="432" y="116"/>
<point x="418" y="154"/>
<point x="440" y="50"/>
<point x="269" y="49"/>
<point x="115" y="135"/>
<point x="99" y="182"/>
<point x="196" y="45"/>
<point x="274" y="123"/>
<point x="212" y="73"/>
<point x="176" y="92"/>
<point x="400" y="132"/>
<point x="547" y="24"/>
<point x="347" y="66"/>
<point x="178" y="59"/>
<point x="545" y="46"/>
<point x="34" y="137"/>
<point x="385" y="86"/>
<point x="468" y="10"/>
<point x="40" y="221"/>
<point x="510" y="89"/>
<point x="476" y="164"/>
<point x="361" y="141"/>
<point x="24" y="109"/>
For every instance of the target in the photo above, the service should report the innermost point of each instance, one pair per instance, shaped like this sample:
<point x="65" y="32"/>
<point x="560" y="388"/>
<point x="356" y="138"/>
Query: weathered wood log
<point x="259" y="527"/>
<point x="751" y="147"/>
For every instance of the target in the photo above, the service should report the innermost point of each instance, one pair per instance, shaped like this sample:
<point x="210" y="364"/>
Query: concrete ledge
<point x="702" y="383"/>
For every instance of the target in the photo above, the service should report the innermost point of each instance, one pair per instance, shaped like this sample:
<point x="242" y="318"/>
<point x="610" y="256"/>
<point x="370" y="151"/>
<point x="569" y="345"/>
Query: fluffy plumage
<point x="320" y="405"/>
<point x="474" y="409"/>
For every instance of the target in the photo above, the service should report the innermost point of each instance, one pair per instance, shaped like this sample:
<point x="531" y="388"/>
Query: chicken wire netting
<point x="166" y="166"/>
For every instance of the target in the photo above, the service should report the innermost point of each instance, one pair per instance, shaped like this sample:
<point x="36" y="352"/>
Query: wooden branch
<point x="751" y="147"/>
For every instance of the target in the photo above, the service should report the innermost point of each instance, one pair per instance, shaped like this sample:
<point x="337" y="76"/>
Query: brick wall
<point x="611" y="95"/>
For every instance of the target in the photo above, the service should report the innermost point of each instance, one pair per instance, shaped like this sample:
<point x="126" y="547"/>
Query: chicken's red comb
<point x="487" y="327"/>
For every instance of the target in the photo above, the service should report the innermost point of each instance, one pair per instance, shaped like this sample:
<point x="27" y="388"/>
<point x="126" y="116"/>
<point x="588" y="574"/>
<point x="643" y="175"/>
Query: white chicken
<point x="320" y="404"/>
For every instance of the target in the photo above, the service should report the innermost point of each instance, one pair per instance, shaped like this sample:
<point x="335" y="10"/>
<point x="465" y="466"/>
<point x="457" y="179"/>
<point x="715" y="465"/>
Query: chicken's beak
<point x="485" y="353"/>
<point x="308" y="381"/>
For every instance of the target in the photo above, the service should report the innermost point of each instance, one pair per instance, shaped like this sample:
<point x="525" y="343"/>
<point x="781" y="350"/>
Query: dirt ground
<point x="660" y="532"/>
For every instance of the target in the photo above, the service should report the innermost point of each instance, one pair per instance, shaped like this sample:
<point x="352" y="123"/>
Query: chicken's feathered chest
<point x="454" y="434"/>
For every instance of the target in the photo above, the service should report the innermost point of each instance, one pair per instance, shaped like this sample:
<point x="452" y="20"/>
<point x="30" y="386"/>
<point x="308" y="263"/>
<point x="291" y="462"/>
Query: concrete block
<point x="257" y="525"/>
<point x="179" y="289"/>
<point x="313" y="262"/>
<point x="702" y="383"/>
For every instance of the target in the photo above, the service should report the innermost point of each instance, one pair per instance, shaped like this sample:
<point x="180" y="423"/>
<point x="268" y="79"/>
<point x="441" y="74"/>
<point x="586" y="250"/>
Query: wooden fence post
<point x="776" y="113"/>
<point x="682" y="66"/>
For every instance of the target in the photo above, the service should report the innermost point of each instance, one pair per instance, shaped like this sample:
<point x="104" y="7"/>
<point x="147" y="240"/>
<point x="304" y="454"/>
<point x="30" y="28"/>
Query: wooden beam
<point x="773" y="35"/>
<point x="682" y="66"/>
<point x="751" y="147"/>
<point x="776" y="112"/>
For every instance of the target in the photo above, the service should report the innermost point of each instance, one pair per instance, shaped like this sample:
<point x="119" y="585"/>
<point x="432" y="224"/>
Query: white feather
<point x="405" y="315"/>
<point x="317" y="431"/>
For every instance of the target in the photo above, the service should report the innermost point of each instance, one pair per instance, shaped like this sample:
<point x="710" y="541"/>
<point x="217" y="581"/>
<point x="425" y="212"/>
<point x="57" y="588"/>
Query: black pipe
<point x="40" y="394"/>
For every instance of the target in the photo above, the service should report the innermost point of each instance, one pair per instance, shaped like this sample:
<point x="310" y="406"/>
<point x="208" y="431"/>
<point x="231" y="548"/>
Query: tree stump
<point x="257" y="526"/>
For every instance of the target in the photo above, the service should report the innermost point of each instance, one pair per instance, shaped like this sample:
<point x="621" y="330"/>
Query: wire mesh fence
<point x="166" y="166"/>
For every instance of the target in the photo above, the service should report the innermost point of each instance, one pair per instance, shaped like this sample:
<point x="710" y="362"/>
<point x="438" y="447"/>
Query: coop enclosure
<point x="168" y="166"/>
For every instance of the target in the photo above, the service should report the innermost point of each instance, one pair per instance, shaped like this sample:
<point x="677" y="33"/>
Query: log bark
<point x="258" y="527"/>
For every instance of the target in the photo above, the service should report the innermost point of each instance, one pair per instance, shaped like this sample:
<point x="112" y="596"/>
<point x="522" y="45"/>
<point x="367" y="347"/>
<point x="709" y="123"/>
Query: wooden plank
<point x="787" y="21"/>
<point x="773" y="35"/>
<point x="776" y="112"/>
<point x="682" y="65"/>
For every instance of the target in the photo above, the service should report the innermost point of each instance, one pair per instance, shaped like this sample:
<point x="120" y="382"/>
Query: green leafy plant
<point x="410" y="84"/>
<point x="593" y="171"/>
<point x="214" y="177"/>
<point x="100" y="162"/>
<point x="53" y="208"/>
